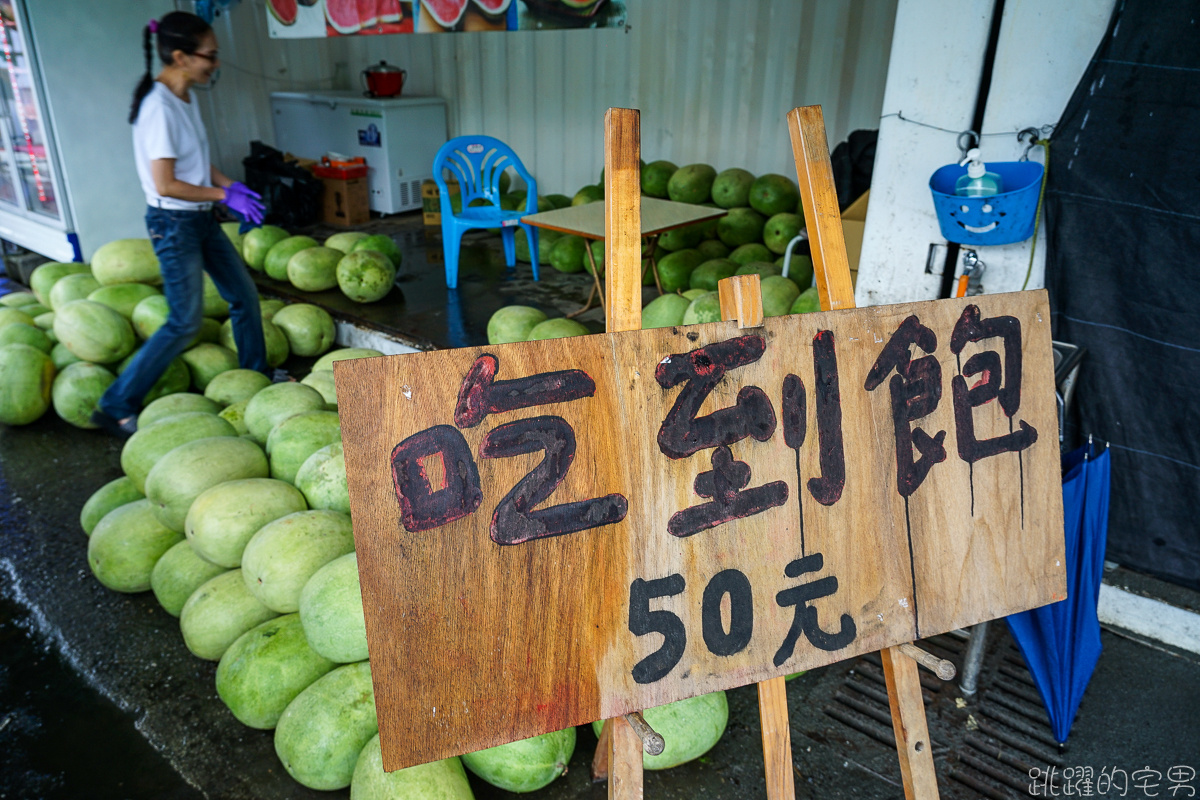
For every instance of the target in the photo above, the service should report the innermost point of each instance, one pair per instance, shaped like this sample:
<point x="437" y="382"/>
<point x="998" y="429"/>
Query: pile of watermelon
<point x="234" y="511"/>
<point x="363" y="266"/>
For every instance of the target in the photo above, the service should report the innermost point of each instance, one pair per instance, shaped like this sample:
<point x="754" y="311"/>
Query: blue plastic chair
<point x="476" y="162"/>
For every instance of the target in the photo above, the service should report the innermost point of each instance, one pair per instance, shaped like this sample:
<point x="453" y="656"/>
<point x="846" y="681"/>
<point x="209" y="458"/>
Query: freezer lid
<point x="357" y="98"/>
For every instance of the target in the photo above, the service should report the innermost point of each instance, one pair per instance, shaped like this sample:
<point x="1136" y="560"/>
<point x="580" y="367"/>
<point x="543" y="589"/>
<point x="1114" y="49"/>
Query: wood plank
<point x="623" y="284"/>
<point x="823" y="220"/>
<point x="822" y="216"/>
<point x="622" y="220"/>
<point x="540" y="632"/>
<point x="625" y="761"/>
<point x="741" y="301"/>
<point x="777" y="739"/>
<point x="909" y="725"/>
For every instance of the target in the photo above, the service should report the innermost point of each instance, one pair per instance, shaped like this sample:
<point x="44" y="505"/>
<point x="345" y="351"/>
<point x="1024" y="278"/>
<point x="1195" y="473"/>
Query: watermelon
<point x="309" y="329"/>
<point x="365" y="276"/>
<point x="322" y="381"/>
<point x="513" y="323"/>
<point x="61" y="356"/>
<point x="557" y="328"/>
<point x="326" y="361"/>
<point x="446" y="13"/>
<point x="155" y="439"/>
<point x="263" y="671"/>
<point x="273" y="338"/>
<point x="281" y="557"/>
<point x="149" y="315"/>
<point x="214" y="305"/>
<point x="235" y="385"/>
<point x="178" y="574"/>
<point x="690" y="727"/>
<point x="291" y="442"/>
<point x="444" y="780"/>
<point x="331" y="611"/>
<point x="314" y="269"/>
<point x="20" y="333"/>
<point x="183" y="474"/>
<point x="526" y="765"/>
<point x="18" y="299"/>
<point x="281" y="253"/>
<point x="276" y="403"/>
<point x="258" y="242"/>
<point x="42" y="279"/>
<point x="93" y="331"/>
<point x="380" y="244"/>
<point x="223" y="519"/>
<point x="235" y="415"/>
<point x="72" y="287"/>
<point x="345" y="240"/>
<point x="26" y="379"/>
<point x="126" y="261"/>
<point x="126" y="544"/>
<point x="284" y="11"/>
<point x="123" y="297"/>
<point x="206" y="361"/>
<point x="322" y="731"/>
<point x="172" y="404"/>
<point x="14" y="316"/>
<point x="218" y="613"/>
<point x="322" y="479"/>
<point x="113" y="494"/>
<point x="77" y="390"/>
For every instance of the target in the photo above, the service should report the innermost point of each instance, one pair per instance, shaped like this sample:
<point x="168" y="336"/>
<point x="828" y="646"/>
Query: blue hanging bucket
<point x="1001" y="218"/>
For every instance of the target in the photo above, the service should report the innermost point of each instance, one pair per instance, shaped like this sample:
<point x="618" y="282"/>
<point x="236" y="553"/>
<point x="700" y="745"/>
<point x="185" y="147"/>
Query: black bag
<point x="291" y="194"/>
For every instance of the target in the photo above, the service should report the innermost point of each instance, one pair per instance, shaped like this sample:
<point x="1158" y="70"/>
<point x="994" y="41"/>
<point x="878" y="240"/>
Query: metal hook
<point x="973" y="137"/>
<point x="1033" y="134"/>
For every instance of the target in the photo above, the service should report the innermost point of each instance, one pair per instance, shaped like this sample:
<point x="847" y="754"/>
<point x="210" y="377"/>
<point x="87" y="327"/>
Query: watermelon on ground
<point x="126" y="261"/>
<point x="223" y="518"/>
<point x="72" y="287"/>
<point x="183" y="474"/>
<point x="326" y="361"/>
<point x="113" y="494"/>
<point x="265" y="668"/>
<point x="331" y="611"/>
<point x="309" y="329"/>
<point x="32" y="335"/>
<point x="513" y="323"/>
<point x="235" y="385"/>
<point x="123" y="297"/>
<point x="42" y="279"/>
<point x="278" y="402"/>
<point x="291" y="442"/>
<point x="159" y="436"/>
<point x="93" y="331"/>
<point x="526" y="765"/>
<point x="321" y="733"/>
<point x="281" y="557"/>
<point x="365" y="276"/>
<point x="26" y="379"/>
<point x="322" y="381"/>
<point x="445" y="779"/>
<point x="322" y="479"/>
<point x="172" y="404"/>
<point x="178" y="574"/>
<point x="314" y="269"/>
<point x="690" y="727"/>
<point x="258" y="242"/>
<point x="276" y="262"/>
<point x="77" y="390"/>
<point x="126" y="544"/>
<point x="218" y="613"/>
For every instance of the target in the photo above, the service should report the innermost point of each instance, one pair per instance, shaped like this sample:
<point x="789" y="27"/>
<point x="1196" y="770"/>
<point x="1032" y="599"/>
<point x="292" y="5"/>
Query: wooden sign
<point x="554" y="532"/>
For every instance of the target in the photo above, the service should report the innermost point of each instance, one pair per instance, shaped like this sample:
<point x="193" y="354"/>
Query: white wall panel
<point x="713" y="79"/>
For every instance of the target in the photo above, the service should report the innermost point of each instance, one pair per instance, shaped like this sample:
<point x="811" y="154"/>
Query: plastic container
<point x="978" y="182"/>
<point x="1001" y="218"/>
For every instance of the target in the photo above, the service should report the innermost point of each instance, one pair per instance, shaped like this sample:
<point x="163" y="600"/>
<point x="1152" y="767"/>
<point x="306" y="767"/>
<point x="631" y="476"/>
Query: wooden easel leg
<point x="777" y="739"/>
<point x="624" y="761"/>
<point x="810" y="149"/>
<point x="909" y="725"/>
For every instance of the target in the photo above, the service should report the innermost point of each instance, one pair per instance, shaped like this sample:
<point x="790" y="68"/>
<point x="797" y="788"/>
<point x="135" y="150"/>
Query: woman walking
<point x="181" y="185"/>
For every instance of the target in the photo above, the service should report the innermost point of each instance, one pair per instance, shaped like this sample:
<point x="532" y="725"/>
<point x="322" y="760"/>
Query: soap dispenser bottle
<point x="978" y="182"/>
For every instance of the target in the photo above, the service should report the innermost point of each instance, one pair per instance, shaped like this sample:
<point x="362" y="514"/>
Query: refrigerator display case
<point x="32" y="211"/>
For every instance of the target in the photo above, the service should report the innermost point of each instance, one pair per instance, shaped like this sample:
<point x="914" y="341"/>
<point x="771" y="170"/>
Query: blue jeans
<point x="188" y="244"/>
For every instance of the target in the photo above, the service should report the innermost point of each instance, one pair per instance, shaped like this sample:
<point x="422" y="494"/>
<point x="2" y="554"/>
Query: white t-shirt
<point x="167" y="127"/>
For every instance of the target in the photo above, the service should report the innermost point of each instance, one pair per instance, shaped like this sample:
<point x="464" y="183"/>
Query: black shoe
<point x="122" y="429"/>
<point x="280" y="375"/>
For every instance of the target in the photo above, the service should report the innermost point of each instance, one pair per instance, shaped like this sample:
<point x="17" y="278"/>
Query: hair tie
<point x="153" y="26"/>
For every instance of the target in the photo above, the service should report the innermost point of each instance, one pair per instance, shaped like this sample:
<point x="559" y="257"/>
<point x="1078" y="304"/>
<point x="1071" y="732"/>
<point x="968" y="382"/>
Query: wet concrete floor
<point x="99" y="698"/>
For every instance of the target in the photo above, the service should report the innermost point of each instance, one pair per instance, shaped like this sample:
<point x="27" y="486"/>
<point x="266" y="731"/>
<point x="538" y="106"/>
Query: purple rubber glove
<point x="241" y="199"/>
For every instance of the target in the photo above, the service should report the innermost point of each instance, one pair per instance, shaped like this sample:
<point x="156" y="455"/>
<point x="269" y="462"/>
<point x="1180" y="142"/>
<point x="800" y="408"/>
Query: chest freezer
<point x="398" y="137"/>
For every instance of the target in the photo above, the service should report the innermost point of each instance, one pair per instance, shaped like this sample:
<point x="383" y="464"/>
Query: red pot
<point x="383" y="80"/>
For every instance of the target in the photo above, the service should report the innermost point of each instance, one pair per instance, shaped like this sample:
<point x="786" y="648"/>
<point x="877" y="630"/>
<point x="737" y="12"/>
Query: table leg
<point x="585" y="306"/>
<point x="595" y="275"/>
<point x="652" y="243"/>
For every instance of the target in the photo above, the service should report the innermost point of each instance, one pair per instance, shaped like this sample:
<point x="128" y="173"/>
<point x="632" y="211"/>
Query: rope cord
<point x="1037" y="215"/>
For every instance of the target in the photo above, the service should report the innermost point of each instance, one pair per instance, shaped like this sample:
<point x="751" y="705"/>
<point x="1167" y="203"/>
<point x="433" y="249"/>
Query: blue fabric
<point x="477" y="162"/>
<point x="188" y="244"/>
<point x="1061" y="641"/>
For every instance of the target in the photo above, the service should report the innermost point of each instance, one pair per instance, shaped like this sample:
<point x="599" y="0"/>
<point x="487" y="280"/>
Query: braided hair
<point x="178" y="30"/>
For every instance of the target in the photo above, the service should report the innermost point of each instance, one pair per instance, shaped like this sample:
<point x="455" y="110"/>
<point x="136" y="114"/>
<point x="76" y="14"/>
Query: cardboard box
<point x="347" y="201"/>
<point x="431" y="203"/>
<point x="854" y="220"/>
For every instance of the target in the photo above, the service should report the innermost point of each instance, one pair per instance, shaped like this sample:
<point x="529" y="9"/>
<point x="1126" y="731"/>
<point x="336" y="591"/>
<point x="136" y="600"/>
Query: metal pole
<point x="974" y="659"/>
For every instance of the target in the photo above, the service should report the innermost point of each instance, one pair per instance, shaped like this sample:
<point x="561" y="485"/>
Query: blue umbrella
<point x="1061" y="641"/>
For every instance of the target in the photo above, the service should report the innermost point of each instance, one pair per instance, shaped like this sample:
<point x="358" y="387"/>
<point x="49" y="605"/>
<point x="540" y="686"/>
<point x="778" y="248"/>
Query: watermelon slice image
<point x="342" y="15"/>
<point x="389" y="11"/>
<point x="446" y="13"/>
<point x="368" y="13"/>
<point x="284" y="11"/>
<point x="495" y="7"/>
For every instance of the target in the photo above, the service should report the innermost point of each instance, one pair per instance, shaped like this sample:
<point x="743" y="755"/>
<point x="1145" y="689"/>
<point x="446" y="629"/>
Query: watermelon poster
<point x="314" y="19"/>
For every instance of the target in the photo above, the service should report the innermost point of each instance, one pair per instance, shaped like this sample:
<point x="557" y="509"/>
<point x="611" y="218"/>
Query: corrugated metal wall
<point x="713" y="79"/>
